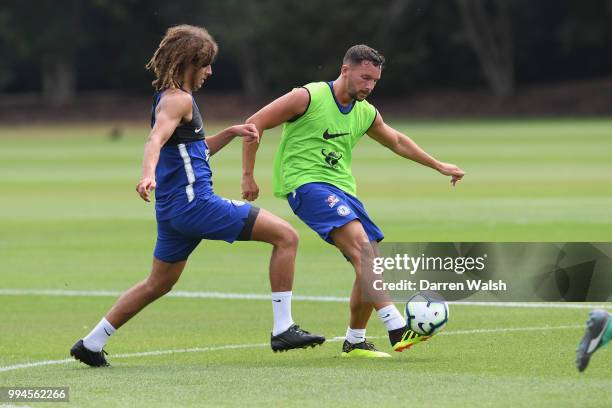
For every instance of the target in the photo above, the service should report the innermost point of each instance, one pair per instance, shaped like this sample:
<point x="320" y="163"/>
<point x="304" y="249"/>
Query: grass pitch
<point x="70" y="220"/>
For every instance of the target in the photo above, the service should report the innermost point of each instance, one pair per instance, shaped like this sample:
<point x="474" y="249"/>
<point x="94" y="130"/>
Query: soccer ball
<point x="426" y="313"/>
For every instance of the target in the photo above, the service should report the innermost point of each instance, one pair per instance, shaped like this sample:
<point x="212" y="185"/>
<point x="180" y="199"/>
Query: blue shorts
<point x="214" y="218"/>
<point x="324" y="207"/>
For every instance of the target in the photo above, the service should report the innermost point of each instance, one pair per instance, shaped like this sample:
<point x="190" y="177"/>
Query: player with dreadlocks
<point x="176" y="166"/>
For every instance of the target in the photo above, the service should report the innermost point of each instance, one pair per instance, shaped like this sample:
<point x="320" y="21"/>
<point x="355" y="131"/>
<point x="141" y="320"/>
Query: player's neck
<point x="341" y="91"/>
<point x="186" y="85"/>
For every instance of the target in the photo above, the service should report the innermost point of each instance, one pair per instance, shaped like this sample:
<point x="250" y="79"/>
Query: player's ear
<point x="344" y="70"/>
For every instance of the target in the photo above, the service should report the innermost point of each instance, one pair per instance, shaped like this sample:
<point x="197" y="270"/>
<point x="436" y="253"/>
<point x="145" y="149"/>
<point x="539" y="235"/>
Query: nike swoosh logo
<point x="327" y="135"/>
<point x="274" y="300"/>
<point x="198" y="129"/>
<point x="107" y="333"/>
<point x="387" y="315"/>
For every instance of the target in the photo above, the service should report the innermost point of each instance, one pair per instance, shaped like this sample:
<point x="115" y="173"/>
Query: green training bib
<point x="317" y="146"/>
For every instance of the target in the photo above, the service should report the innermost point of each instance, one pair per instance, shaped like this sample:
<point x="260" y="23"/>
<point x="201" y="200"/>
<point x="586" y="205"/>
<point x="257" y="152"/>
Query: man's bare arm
<point x="287" y="107"/>
<point x="168" y="115"/>
<point x="403" y="146"/>
<point x="221" y="139"/>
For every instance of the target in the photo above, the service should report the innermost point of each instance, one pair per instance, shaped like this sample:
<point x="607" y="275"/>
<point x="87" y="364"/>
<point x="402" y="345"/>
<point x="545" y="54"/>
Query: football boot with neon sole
<point x="404" y="338"/>
<point x="363" y="350"/>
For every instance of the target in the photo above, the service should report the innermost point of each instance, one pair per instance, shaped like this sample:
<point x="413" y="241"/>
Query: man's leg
<point x="162" y="278"/>
<point x="284" y="239"/>
<point x="352" y="240"/>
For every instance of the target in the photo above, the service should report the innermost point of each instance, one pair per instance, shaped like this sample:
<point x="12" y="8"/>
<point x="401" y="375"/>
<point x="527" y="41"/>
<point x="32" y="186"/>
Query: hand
<point x="449" y="169"/>
<point x="248" y="131"/>
<point x="250" y="189"/>
<point x="145" y="186"/>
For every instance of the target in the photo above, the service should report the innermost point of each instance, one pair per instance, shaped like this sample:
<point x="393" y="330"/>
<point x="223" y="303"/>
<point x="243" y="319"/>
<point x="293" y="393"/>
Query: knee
<point x="292" y="238"/>
<point x="288" y="237"/>
<point x="358" y="253"/>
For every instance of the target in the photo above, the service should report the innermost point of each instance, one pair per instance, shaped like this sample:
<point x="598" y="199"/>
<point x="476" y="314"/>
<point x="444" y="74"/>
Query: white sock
<point x="355" y="336"/>
<point x="391" y="317"/>
<point x="98" y="337"/>
<point x="281" y="309"/>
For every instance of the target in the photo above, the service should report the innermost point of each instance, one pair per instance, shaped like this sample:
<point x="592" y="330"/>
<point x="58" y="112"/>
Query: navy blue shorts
<point x="324" y="207"/>
<point x="214" y="218"/>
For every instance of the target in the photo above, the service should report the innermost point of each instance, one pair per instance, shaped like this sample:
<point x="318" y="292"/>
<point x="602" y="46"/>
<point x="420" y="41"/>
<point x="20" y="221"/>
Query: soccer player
<point x="323" y="121"/>
<point x="176" y="165"/>
<point x="598" y="333"/>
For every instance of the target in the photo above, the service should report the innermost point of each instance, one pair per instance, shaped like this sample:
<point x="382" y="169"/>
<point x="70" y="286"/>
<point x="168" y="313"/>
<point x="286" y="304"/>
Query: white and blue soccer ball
<point x="426" y="313"/>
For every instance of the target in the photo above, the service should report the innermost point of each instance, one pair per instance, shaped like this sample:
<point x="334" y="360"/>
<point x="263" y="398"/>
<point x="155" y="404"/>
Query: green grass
<point x="70" y="219"/>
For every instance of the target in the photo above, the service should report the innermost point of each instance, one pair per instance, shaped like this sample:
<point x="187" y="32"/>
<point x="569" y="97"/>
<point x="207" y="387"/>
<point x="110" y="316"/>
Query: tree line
<point x="59" y="47"/>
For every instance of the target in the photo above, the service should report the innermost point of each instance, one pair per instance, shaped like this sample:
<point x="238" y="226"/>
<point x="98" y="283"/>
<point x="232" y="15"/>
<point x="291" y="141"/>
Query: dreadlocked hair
<point x="181" y="46"/>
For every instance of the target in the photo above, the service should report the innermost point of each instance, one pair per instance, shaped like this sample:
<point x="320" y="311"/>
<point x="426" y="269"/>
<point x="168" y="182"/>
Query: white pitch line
<point x="190" y="350"/>
<point x="509" y="330"/>
<point x="14" y="406"/>
<point x="257" y="296"/>
<point x="537" y="305"/>
<point x="35" y="364"/>
<point x="248" y="346"/>
<point x="177" y="294"/>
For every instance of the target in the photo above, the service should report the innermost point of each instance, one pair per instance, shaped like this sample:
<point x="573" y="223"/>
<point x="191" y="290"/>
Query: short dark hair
<point x="361" y="52"/>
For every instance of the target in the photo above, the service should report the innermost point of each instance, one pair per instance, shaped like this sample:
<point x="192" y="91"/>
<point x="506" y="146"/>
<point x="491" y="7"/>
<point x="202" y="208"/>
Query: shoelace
<point x="297" y="329"/>
<point x="369" y="346"/>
